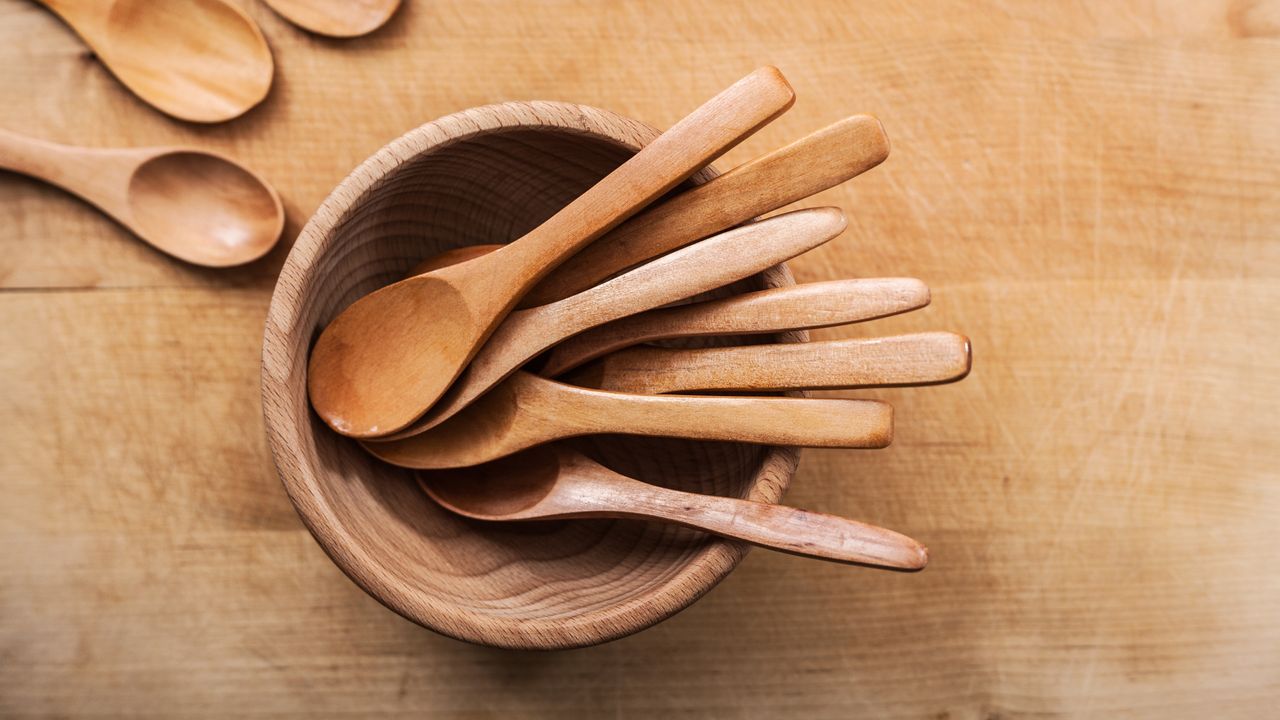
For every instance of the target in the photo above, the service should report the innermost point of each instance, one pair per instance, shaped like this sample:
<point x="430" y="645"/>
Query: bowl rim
<point x="285" y="430"/>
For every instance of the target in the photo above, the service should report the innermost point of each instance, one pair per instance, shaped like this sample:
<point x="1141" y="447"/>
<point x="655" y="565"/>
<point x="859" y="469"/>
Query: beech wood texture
<point x="928" y="358"/>
<point x="193" y="204"/>
<point x="390" y="355"/>
<point x="699" y="268"/>
<point x="336" y="18"/>
<point x="452" y="257"/>
<point x="1088" y="189"/>
<point x="198" y="60"/>
<point x="814" y="163"/>
<point x="527" y="410"/>
<point x="800" y="307"/>
<point x="556" y="483"/>
<point x="502" y="169"/>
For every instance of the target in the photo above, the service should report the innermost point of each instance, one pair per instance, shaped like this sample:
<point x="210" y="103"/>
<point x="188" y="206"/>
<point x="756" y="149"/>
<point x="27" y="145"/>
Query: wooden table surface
<point x="1091" y="189"/>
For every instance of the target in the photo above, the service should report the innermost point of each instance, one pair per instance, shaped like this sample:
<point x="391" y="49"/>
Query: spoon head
<point x="204" y="209"/>
<point x="197" y="60"/>
<point x="386" y="359"/>
<point x="337" y="18"/>
<point x="506" y="489"/>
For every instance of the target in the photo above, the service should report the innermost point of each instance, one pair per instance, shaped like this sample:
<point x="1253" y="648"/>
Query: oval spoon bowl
<point x="481" y="176"/>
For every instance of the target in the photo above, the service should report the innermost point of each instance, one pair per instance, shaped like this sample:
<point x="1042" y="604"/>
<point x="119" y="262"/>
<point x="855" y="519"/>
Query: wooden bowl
<point x="485" y="175"/>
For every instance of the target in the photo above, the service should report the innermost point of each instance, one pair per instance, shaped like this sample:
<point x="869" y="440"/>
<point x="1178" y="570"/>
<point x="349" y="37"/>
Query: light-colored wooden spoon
<point x="389" y="356"/>
<point x="810" y="165"/>
<point x="799" y="307"/>
<point x="195" y="205"/>
<point x="554" y="482"/>
<point x="928" y="358"/>
<point x="336" y="18"/>
<point x="198" y="60"/>
<point x="526" y="410"/>
<point x="706" y="265"/>
<point x="452" y="257"/>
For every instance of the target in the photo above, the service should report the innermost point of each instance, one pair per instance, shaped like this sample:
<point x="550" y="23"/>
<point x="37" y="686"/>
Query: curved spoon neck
<point x="100" y="176"/>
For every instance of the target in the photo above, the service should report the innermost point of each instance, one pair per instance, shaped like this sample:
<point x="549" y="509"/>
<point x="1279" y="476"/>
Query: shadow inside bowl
<point x="471" y="179"/>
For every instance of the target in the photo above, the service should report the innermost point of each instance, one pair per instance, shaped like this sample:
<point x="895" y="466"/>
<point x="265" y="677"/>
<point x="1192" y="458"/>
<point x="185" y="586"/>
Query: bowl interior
<point x="547" y="584"/>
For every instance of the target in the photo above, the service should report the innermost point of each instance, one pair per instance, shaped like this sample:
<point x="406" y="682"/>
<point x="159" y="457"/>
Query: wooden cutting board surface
<point x="1091" y="189"/>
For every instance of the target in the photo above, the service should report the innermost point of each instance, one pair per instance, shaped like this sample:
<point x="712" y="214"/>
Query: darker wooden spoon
<point x="554" y="482"/>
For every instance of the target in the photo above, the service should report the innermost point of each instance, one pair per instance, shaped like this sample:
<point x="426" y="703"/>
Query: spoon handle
<point x="916" y="359"/>
<point x="804" y="422"/>
<point x="799" y="307"/>
<point x="689" y="145"/>
<point x="99" y="176"/>
<point x="703" y="266"/>
<point x="814" y="163"/>
<point x="777" y="527"/>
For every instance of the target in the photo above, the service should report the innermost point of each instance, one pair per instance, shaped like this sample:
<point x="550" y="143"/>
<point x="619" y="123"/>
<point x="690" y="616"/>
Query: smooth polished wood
<point x="814" y="163"/>
<point x="452" y="257"/>
<point x="801" y="307"/>
<point x="928" y="358"/>
<point x="336" y="18"/>
<point x="1087" y="188"/>
<point x="703" y="267"/>
<point x="195" y="205"/>
<point x="527" y="410"/>
<point x="198" y="60"/>
<point x="557" y="483"/>
<point x="391" y="355"/>
<point x="502" y="169"/>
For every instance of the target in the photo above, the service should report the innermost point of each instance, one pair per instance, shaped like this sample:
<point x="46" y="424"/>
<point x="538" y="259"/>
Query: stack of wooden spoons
<point x="469" y="368"/>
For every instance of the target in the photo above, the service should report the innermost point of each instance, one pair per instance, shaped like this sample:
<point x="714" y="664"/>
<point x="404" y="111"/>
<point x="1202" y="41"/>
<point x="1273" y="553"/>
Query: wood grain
<point x="390" y="355"/>
<point x="197" y="60"/>
<point x="526" y="410"/>
<point x="811" y="164"/>
<point x="926" y="358"/>
<point x="701" y="268"/>
<point x="1088" y="188"/>
<point x="808" y="306"/>
<point x="554" y="482"/>
<point x="198" y="206"/>
<point x="507" y="168"/>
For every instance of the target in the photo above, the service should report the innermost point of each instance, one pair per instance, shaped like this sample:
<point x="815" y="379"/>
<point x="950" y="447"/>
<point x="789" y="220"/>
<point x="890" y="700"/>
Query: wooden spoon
<point x="812" y="164"/>
<point x="526" y="410"/>
<point x="198" y="60"/>
<point x="706" y="265"/>
<point x="799" y="307"/>
<point x="195" y="205"/>
<point x="336" y="18"/>
<point x="927" y="358"/>
<point x="552" y="483"/>
<point x="388" y="357"/>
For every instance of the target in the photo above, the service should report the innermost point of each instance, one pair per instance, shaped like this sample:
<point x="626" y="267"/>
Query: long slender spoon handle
<point x="701" y="137"/>
<point x="527" y="410"/>
<point x="778" y="527"/>
<point x="799" y="307"/>
<point x="703" y="266"/>
<point x="819" y="161"/>
<point x="916" y="359"/>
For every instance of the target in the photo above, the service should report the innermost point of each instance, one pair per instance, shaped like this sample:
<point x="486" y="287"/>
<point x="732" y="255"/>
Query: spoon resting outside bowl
<point x="195" y="205"/>
<point x="336" y="18"/>
<point x="198" y="60"/>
